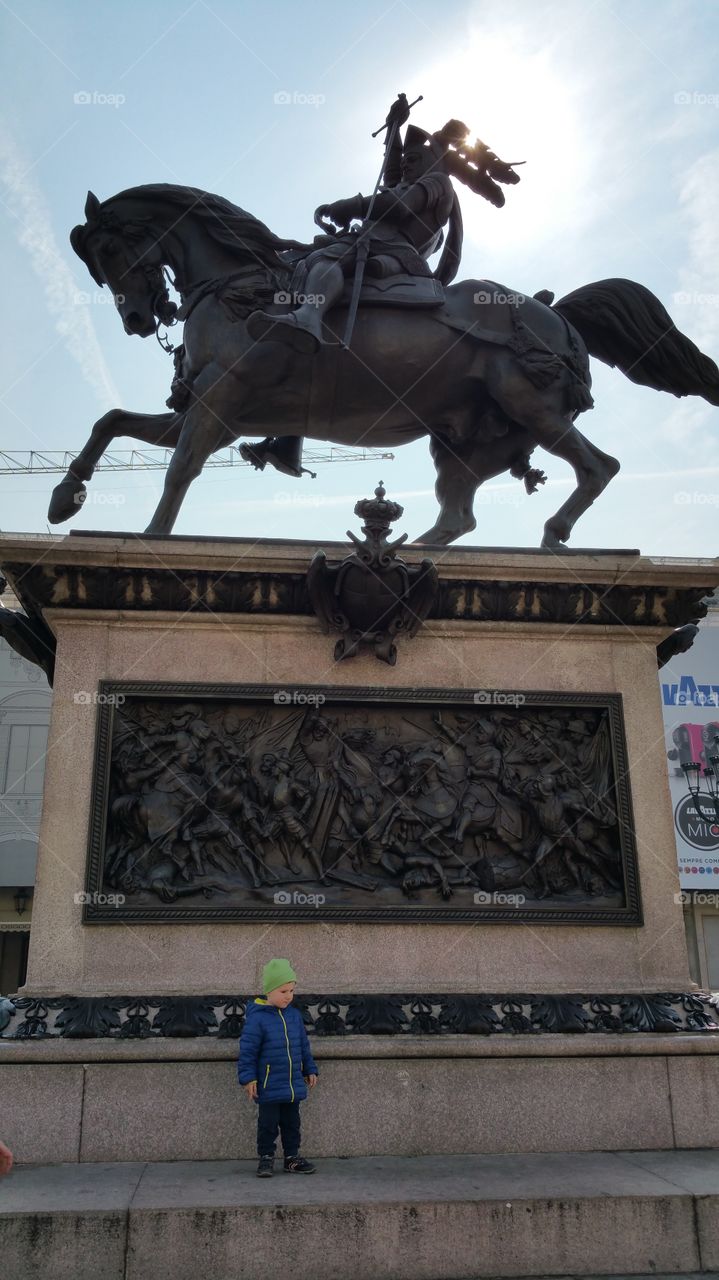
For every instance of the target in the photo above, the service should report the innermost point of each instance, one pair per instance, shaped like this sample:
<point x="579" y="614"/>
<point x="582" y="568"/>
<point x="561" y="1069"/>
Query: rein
<point x="164" y="310"/>
<point x="164" y="340"/>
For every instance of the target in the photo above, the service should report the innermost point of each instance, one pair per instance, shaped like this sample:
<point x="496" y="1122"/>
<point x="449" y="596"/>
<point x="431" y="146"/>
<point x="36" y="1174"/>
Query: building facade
<point x="24" y="720"/>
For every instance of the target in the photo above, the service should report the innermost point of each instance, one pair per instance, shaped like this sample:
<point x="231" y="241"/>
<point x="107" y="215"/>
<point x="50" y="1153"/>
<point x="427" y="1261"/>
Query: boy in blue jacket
<point x="274" y="1063"/>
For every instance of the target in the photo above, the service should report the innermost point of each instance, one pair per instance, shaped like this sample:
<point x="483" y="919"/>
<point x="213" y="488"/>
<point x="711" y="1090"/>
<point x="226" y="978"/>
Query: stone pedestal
<point x="236" y="612"/>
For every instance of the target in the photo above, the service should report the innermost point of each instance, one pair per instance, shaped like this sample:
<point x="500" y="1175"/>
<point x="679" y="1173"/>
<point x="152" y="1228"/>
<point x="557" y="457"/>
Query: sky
<point x="271" y="103"/>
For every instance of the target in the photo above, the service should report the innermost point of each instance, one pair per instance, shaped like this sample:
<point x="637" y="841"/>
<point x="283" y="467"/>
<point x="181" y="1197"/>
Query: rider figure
<point x="405" y="229"/>
<point x="408" y="217"/>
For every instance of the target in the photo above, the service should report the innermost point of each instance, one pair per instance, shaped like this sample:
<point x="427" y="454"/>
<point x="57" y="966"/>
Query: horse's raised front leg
<point x="208" y="425"/>
<point x="152" y="428"/>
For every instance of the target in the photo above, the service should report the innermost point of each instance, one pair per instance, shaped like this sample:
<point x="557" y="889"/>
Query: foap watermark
<point x="85" y="899"/>
<point x="483" y="298"/>
<point x="99" y="298"/>
<point x="298" y="697"/>
<point x="85" y="698"/>
<point x="94" y="98"/>
<point x="297" y="500"/>
<point x="685" y="899"/>
<point x="98" y="498"/>
<point x="283" y="298"/>
<point x="502" y="496"/>
<point x="685" y="98"/>
<point x="685" y="692"/>
<point x="498" y="698"/>
<point x="295" y="98"/>
<point x="695" y="499"/>
<point x="298" y="898"/>
<point x="690" y="298"/>
<point x="498" y="899"/>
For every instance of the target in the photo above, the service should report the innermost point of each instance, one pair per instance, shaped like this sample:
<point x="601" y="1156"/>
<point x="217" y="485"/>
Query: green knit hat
<point x="276" y="973"/>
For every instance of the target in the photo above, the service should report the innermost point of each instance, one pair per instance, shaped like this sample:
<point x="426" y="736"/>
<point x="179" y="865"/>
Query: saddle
<point x="397" y="291"/>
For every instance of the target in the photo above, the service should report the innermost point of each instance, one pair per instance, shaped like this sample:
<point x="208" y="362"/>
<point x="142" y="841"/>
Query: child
<point x="275" y="1055"/>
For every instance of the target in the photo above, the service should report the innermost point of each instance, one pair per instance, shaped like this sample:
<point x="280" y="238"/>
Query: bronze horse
<point x="488" y="376"/>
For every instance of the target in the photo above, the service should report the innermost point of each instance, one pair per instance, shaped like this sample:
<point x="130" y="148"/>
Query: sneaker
<point x="297" y="1164"/>
<point x="266" y="1166"/>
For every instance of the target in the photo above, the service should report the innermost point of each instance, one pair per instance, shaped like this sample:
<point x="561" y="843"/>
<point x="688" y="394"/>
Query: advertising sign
<point x="690" y="701"/>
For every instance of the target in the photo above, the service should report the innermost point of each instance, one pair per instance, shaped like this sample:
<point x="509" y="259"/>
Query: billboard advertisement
<point x="690" y="702"/>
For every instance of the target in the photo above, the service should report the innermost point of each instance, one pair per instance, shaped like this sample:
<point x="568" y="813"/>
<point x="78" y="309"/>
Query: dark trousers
<point x="272" y="1116"/>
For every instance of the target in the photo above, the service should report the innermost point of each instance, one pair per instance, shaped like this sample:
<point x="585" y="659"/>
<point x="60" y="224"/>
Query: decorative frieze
<point x="123" y="1017"/>
<point x="154" y="587"/>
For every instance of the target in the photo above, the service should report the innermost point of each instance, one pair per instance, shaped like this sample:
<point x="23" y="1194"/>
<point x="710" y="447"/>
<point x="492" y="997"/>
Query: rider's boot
<point x="284" y="453"/>
<point x="302" y="329"/>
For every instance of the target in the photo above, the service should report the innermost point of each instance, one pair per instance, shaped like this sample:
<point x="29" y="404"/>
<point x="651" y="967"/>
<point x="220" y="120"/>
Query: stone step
<point x="378" y="1218"/>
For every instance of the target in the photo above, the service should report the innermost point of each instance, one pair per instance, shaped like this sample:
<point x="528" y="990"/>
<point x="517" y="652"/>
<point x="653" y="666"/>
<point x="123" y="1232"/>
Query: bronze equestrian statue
<point x="271" y="345"/>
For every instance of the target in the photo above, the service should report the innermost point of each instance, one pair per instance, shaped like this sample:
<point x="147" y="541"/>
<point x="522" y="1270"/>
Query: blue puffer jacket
<point x="275" y="1051"/>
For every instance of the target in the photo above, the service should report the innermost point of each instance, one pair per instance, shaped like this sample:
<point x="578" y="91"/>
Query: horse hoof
<point x="437" y="537"/>
<point x="554" y="538"/>
<point x="67" y="498"/>
<point x="440" y="535"/>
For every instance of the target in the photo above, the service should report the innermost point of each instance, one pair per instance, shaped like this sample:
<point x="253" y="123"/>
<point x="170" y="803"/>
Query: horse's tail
<point x="624" y="324"/>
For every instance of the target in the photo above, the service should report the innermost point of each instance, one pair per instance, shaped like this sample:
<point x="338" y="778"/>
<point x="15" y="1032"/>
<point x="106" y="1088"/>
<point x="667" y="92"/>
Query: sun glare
<point x="517" y="102"/>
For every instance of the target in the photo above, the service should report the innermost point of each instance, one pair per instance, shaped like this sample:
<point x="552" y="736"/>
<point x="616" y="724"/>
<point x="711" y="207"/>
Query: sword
<point x="362" y="240"/>
<point x="409" y="108"/>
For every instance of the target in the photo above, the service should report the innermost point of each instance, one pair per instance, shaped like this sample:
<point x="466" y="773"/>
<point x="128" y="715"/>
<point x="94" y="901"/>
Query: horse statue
<point x="486" y="373"/>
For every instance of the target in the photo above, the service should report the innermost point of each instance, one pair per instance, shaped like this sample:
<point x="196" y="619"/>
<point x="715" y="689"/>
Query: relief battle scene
<point x="248" y="803"/>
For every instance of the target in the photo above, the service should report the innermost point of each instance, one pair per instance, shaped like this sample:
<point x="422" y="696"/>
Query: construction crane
<point x="55" y="462"/>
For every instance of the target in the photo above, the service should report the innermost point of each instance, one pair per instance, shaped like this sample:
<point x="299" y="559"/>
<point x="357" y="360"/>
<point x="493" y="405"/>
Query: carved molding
<point x="222" y="1017"/>
<point x="42" y="585"/>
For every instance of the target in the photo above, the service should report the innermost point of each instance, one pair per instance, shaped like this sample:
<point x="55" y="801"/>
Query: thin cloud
<point x="73" y="321"/>
<point x="695" y="306"/>
<point x="699" y="197"/>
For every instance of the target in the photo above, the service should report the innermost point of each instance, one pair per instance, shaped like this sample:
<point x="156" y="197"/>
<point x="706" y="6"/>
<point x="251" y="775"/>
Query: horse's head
<point x="126" y="255"/>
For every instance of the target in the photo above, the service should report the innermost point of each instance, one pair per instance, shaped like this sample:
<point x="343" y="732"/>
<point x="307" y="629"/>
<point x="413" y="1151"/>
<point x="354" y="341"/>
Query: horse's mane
<point x="225" y="222"/>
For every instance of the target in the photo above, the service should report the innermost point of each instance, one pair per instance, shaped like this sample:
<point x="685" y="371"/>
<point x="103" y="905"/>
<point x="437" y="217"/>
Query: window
<point x="24" y="719"/>
<point x="25" y="760"/>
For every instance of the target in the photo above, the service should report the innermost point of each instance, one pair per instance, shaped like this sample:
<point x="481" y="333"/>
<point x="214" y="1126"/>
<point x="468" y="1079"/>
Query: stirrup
<point x="249" y="453"/>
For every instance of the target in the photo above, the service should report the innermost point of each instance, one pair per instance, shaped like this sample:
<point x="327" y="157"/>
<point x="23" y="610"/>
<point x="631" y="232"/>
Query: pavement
<point x="365" y="1180"/>
<point x="373" y="1218"/>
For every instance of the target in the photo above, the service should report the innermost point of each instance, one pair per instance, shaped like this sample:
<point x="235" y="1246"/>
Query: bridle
<point x="163" y="308"/>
